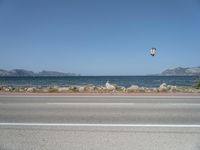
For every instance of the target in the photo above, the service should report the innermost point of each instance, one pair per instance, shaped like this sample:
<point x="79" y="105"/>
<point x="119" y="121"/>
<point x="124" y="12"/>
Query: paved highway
<point x="30" y="122"/>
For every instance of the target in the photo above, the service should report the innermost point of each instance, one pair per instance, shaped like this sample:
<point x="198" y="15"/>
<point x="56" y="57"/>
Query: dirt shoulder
<point x="97" y="94"/>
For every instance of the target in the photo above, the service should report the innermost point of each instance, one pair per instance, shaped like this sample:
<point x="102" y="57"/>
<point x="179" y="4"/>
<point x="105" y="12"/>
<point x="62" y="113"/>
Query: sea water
<point x="146" y="81"/>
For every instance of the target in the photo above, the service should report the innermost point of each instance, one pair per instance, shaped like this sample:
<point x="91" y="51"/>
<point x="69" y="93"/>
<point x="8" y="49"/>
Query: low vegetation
<point x="197" y="84"/>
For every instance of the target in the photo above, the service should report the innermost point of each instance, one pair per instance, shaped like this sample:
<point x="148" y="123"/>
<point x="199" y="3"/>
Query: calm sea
<point x="147" y="81"/>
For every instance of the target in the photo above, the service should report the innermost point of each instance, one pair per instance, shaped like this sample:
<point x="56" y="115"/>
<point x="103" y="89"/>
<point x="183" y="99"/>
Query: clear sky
<point x="99" y="37"/>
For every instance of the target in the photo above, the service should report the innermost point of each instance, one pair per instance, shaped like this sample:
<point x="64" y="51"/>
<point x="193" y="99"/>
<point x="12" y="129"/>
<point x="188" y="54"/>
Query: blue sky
<point x="99" y="37"/>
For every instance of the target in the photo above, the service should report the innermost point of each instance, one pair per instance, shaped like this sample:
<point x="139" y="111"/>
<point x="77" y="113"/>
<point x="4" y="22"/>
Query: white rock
<point x="21" y="90"/>
<point x="110" y="86"/>
<point x="63" y="89"/>
<point x="155" y="90"/>
<point x="149" y="90"/>
<point x="141" y="89"/>
<point x="133" y="88"/>
<point x="172" y="88"/>
<point x="81" y="89"/>
<point x="45" y="90"/>
<point x="6" y="89"/>
<point x="163" y="87"/>
<point x="30" y="89"/>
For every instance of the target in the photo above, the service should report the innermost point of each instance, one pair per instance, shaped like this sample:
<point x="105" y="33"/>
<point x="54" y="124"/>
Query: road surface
<point x="101" y="122"/>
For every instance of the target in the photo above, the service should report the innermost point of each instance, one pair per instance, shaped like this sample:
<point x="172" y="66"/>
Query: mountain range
<point x="23" y="73"/>
<point x="180" y="71"/>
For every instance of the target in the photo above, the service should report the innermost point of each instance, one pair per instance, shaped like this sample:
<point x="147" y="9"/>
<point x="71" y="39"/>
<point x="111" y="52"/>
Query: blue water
<point x="147" y="81"/>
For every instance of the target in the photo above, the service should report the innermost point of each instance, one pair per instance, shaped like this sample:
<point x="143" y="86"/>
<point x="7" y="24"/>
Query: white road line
<point x="102" y="125"/>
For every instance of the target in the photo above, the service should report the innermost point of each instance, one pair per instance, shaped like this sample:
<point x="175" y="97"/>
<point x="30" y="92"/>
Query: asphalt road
<point x="99" y="123"/>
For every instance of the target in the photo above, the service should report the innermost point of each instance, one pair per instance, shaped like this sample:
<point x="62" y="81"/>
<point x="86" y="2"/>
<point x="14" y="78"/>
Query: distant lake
<point x="146" y="81"/>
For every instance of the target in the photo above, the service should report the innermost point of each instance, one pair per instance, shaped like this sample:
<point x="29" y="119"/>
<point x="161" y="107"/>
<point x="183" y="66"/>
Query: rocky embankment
<point x="108" y="88"/>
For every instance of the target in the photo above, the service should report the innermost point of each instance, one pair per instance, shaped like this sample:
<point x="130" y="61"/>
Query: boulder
<point x="30" y="89"/>
<point x="141" y="90"/>
<point x="45" y="90"/>
<point x="148" y="90"/>
<point x="155" y="90"/>
<point x="73" y="88"/>
<point x="19" y="89"/>
<point x="53" y="89"/>
<point x="109" y="86"/>
<point x="81" y="89"/>
<point x="63" y="89"/>
<point x="6" y="89"/>
<point x="121" y="88"/>
<point x="133" y="88"/>
<point x="172" y="88"/>
<point x="101" y="89"/>
<point x="163" y="87"/>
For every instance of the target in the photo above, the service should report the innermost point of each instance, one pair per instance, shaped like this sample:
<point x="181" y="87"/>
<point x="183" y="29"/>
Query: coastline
<point x="107" y="90"/>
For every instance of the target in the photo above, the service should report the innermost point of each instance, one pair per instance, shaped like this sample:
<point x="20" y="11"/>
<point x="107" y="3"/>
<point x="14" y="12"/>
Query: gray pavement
<point x="100" y="123"/>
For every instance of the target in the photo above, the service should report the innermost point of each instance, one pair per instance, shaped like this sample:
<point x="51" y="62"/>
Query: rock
<point x="81" y="89"/>
<point x="109" y="86"/>
<point x="101" y="89"/>
<point x="30" y="89"/>
<point x="155" y="90"/>
<point x="53" y="89"/>
<point x="190" y="91"/>
<point x="45" y="90"/>
<point x="172" y="88"/>
<point x="73" y="88"/>
<point x="63" y="89"/>
<point x="149" y="90"/>
<point x="163" y="87"/>
<point x="6" y="89"/>
<point x="133" y="88"/>
<point x="91" y="88"/>
<point x="120" y="88"/>
<point x="19" y="89"/>
<point x="104" y="89"/>
<point x="141" y="89"/>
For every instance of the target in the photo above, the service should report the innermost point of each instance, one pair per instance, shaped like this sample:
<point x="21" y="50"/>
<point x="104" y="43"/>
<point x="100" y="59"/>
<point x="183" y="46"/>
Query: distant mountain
<point x="54" y="73"/>
<point x="182" y="71"/>
<point x="23" y="73"/>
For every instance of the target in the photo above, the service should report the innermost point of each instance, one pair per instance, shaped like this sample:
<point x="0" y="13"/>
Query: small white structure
<point x="153" y="51"/>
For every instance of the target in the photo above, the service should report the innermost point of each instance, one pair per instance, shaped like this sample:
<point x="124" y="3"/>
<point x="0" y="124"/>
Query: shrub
<point x="197" y="84"/>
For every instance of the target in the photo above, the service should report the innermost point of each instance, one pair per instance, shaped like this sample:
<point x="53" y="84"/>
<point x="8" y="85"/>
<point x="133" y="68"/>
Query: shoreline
<point x="108" y="89"/>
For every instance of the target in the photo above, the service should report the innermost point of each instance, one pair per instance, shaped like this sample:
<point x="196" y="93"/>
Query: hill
<point x="180" y="71"/>
<point x="23" y="73"/>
